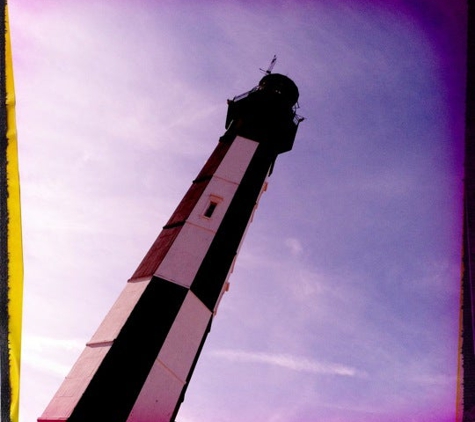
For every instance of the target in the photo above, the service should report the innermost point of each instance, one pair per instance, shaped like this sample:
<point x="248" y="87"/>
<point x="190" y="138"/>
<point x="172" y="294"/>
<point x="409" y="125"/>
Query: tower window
<point x="213" y="202"/>
<point x="210" y="210"/>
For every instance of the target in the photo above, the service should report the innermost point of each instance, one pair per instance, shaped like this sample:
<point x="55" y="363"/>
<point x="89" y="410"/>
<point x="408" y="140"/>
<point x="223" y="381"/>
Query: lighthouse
<point x="138" y="364"/>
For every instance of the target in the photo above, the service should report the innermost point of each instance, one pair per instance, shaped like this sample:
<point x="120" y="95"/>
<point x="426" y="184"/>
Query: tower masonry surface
<point x="138" y="364"/>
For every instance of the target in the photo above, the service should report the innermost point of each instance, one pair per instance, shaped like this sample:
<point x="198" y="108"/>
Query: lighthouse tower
<point x="137" y="365"/>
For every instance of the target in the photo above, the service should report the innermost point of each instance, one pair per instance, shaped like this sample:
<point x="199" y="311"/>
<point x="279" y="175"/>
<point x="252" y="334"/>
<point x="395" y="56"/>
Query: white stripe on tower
<point x="163" y="388"/>
<point x="194" y="239"/>
<point x="76" y="382"/>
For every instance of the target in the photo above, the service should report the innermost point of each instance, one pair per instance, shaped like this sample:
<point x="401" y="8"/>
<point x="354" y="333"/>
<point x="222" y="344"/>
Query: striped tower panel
<point x="137" y="365"/>
<point x="170" y="231"/>
<point x="192" y="243"/>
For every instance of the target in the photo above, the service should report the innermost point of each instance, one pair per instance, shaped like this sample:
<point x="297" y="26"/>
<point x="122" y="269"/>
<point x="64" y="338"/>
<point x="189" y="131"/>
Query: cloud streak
<point x="294" y="363"/>
<point x="47" y="353"/>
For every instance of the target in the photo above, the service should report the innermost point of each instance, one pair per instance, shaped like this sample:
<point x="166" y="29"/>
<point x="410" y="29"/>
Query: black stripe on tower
<point x="212" y="273"/>
<point x="116" y="385"/>
<point x="5" y="387"/>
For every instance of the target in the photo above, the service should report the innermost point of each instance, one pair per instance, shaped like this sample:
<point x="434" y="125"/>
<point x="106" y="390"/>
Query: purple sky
<point x="344" y="301"/>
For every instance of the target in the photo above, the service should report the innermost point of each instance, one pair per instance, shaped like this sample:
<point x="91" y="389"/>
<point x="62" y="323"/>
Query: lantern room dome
<point x="280" y="84"/>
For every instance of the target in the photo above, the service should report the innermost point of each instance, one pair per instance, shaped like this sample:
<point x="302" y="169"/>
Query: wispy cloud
<point x="46" y="365"/>
<point x="295" y="363"/>
<point x="40" y="343"/>
<point x="47" y="354"/>
<point x="294" y="246"/>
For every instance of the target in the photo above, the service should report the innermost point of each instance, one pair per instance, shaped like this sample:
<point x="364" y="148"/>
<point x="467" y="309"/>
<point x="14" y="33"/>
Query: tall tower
<point x="137" y="365"/>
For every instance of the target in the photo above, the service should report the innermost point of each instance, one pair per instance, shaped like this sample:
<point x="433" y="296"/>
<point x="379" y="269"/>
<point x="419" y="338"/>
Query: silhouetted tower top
<point x="280" y="85"/>
<point x="266" y="113"/>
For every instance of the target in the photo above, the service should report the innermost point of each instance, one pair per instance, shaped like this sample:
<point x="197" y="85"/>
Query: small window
<point x="213" y="202"/>
<point x="210" y="210"/>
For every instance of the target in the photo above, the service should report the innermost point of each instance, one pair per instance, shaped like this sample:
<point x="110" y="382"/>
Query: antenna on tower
<point x="271" y="66"/>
